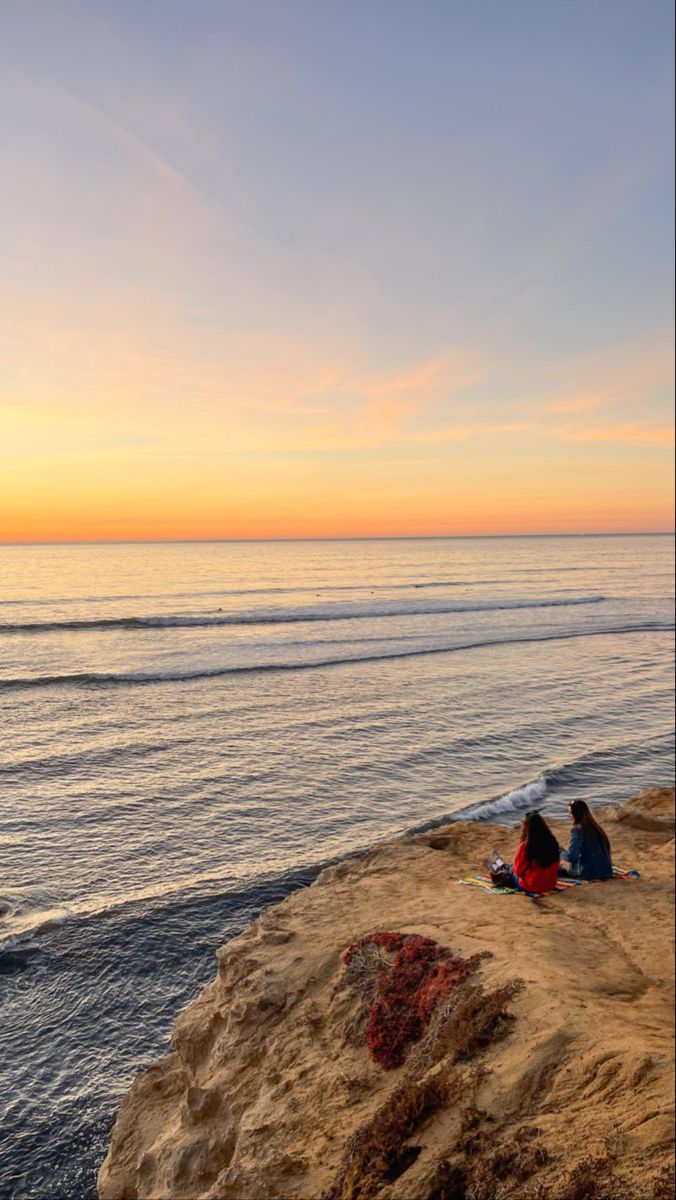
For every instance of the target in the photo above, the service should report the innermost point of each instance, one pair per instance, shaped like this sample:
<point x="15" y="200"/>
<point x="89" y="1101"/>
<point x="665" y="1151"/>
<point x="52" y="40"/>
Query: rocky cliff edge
<point x="545" y="1074"/>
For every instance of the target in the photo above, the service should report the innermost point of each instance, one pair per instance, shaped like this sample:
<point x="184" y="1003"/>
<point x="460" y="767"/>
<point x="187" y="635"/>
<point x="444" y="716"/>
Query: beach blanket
<point x="563" y="885"/>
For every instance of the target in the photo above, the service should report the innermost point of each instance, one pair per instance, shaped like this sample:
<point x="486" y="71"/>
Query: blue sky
<point x="266" y="211"/>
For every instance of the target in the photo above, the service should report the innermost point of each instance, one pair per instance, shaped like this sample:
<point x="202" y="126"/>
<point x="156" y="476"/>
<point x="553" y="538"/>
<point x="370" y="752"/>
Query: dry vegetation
<point x="462" y="1020"/>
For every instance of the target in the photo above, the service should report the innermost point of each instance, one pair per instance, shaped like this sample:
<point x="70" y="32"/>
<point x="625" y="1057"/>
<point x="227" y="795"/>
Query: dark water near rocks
<point x="188" y="731"/>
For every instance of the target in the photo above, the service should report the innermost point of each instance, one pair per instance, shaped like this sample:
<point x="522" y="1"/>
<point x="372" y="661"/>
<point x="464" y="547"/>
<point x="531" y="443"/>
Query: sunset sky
<point x="280" y="268"/>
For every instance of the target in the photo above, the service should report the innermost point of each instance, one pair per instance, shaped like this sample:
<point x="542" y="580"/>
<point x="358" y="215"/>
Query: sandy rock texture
<point x="270" y="1091"/>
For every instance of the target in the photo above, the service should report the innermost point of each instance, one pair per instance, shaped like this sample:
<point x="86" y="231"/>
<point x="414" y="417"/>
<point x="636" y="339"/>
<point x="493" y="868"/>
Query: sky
<point x="317" y="268"/>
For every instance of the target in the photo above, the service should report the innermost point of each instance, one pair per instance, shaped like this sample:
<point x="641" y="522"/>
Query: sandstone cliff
<point x="549" y="1076"/>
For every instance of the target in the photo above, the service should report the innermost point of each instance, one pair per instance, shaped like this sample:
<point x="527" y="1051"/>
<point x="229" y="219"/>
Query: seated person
<point x="536" y="863"/>
<point x="588" y="855"/>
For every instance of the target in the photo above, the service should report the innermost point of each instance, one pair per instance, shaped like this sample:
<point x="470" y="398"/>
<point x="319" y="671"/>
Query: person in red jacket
<point x="536" y="862"/>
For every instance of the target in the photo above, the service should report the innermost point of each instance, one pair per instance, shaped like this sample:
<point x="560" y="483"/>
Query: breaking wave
<point x="323" y="612"/>
<point x="103" y="678"/>
<point x="518" y="800"/>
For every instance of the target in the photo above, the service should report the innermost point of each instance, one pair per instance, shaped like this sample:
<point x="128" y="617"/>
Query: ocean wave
<point x="324" y="612"/>
<point x="21" y="937"/>
<point x="301" y="589"/>
<point x="258" y="891"/>
<point x="521" y="798"/>
<point x="141" y="677"/>
<point x="577" y="772"/>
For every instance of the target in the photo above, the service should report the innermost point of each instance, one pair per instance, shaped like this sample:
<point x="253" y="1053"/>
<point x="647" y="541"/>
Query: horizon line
<point x="169" y="541"/>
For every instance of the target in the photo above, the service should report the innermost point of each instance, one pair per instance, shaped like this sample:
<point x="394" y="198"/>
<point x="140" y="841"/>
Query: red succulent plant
<point x="420" y="977"/>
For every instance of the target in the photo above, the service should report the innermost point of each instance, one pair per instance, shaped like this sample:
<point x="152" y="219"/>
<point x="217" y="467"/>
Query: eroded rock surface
<point x="269" y="1094"/>
<point x="653" y="810"/>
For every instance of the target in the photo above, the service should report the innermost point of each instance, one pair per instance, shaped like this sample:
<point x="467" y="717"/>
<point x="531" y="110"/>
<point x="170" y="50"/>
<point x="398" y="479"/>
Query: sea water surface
<point x="188" y="731"/>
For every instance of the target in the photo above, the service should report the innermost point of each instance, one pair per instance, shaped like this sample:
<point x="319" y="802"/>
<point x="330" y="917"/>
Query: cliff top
<point x="546" y="1074"/>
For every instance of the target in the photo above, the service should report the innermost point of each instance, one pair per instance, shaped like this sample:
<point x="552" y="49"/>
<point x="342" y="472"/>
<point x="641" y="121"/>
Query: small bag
<point x="502" y="876"/>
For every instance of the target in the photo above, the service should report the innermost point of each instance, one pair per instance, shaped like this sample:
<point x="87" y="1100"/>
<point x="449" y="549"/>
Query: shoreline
<point x="263" y="1094"/>
<point x="22" y="938"/>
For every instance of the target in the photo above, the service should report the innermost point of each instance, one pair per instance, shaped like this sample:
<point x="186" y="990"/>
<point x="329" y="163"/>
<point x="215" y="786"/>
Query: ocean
<point x="190" y="731"/>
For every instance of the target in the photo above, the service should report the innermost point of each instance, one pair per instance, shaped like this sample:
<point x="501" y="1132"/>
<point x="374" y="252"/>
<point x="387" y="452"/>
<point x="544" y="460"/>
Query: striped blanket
<point x="563" y="885"/>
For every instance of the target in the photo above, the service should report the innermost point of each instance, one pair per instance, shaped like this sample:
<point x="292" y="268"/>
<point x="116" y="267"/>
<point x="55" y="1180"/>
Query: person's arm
<point x="520" y="862"/>
<point x="575" y="848"/>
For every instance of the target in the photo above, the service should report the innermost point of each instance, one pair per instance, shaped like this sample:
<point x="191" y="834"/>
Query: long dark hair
<point x="582" y="816"/>
<point x="541" y="845"/>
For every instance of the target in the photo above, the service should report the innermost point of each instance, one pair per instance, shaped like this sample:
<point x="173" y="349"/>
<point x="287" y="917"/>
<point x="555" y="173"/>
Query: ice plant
<point x="388" y="941"/>
<point x="421" y="976"/>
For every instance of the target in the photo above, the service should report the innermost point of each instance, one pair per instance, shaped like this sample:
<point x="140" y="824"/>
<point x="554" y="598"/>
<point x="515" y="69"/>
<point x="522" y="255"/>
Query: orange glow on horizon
<point x="261" y="437"/>
<point x="305" y="515"/>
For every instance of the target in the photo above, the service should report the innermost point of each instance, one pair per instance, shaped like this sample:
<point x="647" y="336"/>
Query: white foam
<point x="23" y="929"/>
<point x="331" y="610"/>
<point x="516" y="801"/>
<point x="305" y="664"/>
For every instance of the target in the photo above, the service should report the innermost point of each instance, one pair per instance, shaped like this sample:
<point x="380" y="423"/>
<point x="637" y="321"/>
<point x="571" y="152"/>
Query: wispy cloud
<point x="576" y="404"/>
<point x="452" y="433"/>
<point x="458" y="433"/>
<point x="250" y="387"/>
<point x="628" y="432"/>
<point x="448" y="373"/>
<point x="623" y="373"/>
<point x="510" y="427"/>
<point x="368" y="410"/>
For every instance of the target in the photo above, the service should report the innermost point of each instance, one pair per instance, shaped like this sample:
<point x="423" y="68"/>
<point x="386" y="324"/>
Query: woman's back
<point x="589" y="852"/>
<point x="536" y="862"/>
<point x="589" y="857"/>
<point x="532" y="875"/>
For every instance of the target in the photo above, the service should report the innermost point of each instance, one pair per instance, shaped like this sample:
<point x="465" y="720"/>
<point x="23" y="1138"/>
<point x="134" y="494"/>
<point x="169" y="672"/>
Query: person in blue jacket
<point x="588" y="855"/>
